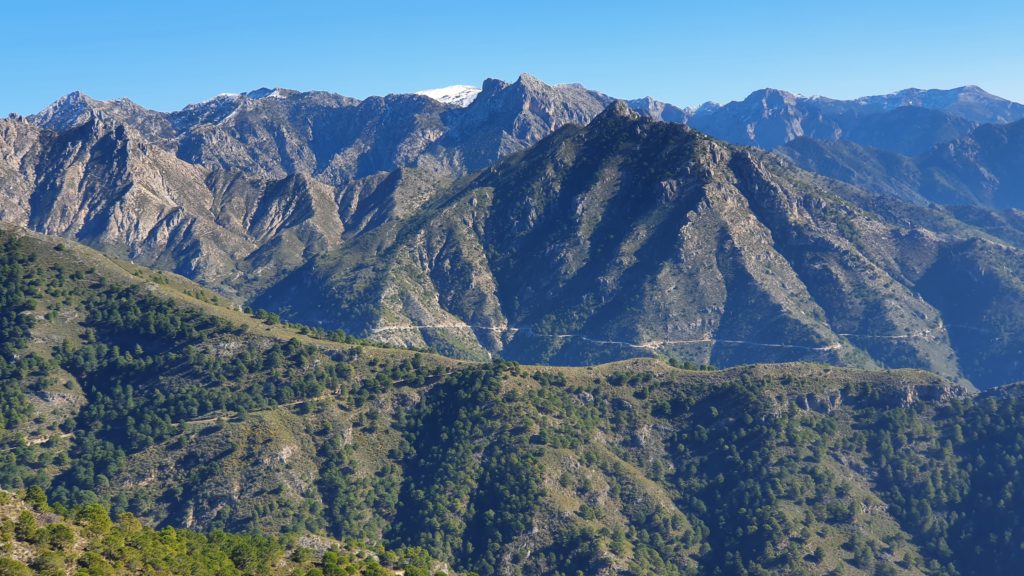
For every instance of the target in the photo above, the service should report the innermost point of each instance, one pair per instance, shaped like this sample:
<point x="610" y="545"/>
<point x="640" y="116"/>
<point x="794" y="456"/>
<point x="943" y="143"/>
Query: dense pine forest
<point x="224" y="442"/>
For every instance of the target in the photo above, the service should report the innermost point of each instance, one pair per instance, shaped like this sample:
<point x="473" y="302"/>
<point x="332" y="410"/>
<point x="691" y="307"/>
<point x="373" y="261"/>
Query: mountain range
<point x="556" y="224"/>
<point x="909" y="122"/>
<point x="521" y="329"/>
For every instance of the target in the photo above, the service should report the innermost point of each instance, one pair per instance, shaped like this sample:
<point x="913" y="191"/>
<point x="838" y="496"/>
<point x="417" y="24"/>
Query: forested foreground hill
<point x="141" y="392"/>
<point x="40" y="539"/>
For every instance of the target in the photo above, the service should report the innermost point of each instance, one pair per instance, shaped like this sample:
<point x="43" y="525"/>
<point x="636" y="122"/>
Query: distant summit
<point x="968" y="102"/>
<point x="770" y="118"/>
<point x="459" y="95"/>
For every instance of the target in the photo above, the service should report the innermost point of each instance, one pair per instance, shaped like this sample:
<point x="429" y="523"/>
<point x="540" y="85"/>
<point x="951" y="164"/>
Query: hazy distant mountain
<point x="660" y="110"/>
<point x="906" y="130"/>
<point x="983" y="168"/>
<point x="876" y="170"/>
<point x="907" y="122"/>
<point x="968" y="102"/>
<point x="766" y="118"/>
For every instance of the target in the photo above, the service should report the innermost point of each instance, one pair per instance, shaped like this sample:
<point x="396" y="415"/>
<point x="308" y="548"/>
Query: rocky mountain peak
<point x="969" y="102"/>
<point x="76" y="108"/>
<point x="528" y="87"/>
<point x="66" y="112"/>
<point x="771" y="98"/>
<point x="528" y="80"/>
<point x="658" y="110"/>
<point x="492" y="86"/>
<point x="76" y="97"/>
<point x="617" y="110"/>
<point x="705" y="108"/>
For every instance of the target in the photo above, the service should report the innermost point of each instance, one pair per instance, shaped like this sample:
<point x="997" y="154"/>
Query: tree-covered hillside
<point x="144" y="394"/>
<point x="39" y="539"/>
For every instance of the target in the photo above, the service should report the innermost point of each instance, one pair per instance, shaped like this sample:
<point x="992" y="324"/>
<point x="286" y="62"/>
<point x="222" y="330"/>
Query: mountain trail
<point x="648" y="345"/>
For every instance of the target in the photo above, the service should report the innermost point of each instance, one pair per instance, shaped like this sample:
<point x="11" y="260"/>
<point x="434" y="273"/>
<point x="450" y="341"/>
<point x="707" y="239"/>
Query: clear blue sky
<point x="166" y="54"/>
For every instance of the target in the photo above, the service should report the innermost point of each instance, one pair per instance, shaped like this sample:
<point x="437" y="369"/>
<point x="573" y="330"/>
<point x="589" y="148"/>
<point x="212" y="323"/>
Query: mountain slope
<point x="109" y="371"/>
<point x="982" y="168"/>
<point x="390" y="218"/>
<point x="630" y="237"/>
<point x="44" y="540"/>
<point x="907" y="130"/>
<point x="878" y="171"/>
<point x="214" y="190"/>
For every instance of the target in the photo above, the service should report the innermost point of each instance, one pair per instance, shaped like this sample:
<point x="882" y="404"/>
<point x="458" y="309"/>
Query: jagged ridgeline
<point x="144" y="393"/>
<point x="545" y="224"/>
